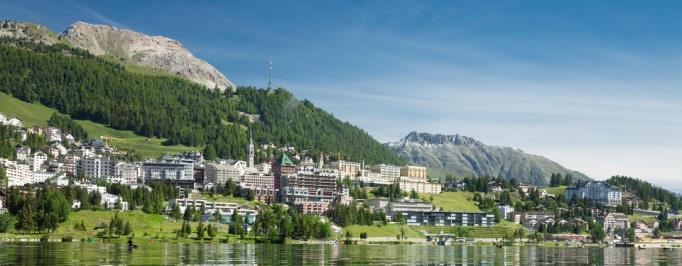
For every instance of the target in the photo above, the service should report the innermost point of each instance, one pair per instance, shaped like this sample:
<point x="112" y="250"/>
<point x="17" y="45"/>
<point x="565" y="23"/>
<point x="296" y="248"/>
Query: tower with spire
<point x="251" y="151"/>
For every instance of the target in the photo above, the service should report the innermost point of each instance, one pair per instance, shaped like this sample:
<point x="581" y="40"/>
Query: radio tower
<point x="270" y="74"/>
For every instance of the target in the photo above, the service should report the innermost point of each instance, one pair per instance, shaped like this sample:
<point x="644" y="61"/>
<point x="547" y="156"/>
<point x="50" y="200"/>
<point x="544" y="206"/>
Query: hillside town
<point x="584" y="211"/>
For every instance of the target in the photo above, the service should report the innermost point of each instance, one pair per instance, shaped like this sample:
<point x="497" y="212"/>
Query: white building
<point x="387" y="172"/>
<point x="614" y="221"/>
<point x="17" y="174"/>
<point x="92" y="187"/>
<point x="21" y="153"/>
<point x="225" y="209"/>
<point x="109" y="201"/>
<point x="3" y="119"/>
<point x="265" y="168"/>
<point x="416" y="173"/>
<point x="408" y="184"/>
<point x="98" y="167"/>
<point x="347" y="169"/>
<point x="219" y="173"/>
<point x="37" y="160"/>
<point x="375" y="178"/>
<point x="505" y="211"/>
<point x="598" y="192"/>
<point x="69" y="138"/>
<point x="166" y="170"/>
<point x="13" y="122"/>
<point x="53" y="134"/>
<point x="40" y="176"/>
<point x="57" y="149"/>
<point x="72" y="164"/>
<point x="128" y="173"/>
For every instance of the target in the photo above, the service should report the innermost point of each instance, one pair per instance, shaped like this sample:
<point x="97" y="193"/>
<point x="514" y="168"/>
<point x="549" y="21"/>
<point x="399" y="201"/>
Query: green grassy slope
<point x="30" y="114"/>
<point x="556" y="190"/>
<point x="453" y="201"/>
<point x="37" y="114"/>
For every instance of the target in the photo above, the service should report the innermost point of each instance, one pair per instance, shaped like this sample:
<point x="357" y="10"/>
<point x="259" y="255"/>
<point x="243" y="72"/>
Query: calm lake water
<point x="261" y="254"/>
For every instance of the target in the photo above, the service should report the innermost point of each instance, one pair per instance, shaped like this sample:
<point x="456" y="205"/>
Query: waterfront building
<point x="614" y="221"/>
<point x="225" y="209"/>
<point x="441" y="218"/>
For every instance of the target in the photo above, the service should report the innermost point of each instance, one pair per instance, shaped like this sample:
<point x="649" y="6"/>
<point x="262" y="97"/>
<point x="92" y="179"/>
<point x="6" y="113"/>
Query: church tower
<point x="251" y="151"/>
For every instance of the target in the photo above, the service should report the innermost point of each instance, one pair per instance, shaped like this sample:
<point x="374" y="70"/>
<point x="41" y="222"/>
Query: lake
<point x="15" y="253"/>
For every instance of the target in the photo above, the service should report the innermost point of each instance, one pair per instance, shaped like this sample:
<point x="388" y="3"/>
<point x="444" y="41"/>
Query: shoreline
<point x="545" y="244"/>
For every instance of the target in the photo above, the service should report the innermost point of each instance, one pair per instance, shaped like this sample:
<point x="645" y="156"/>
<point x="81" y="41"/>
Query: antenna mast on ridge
<point x="270" y="74"/>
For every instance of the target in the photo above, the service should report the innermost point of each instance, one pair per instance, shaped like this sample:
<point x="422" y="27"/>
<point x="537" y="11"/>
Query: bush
<point x="67" y="239"/>
<point x="6" y="222"/>
<point x="44" y="238"/>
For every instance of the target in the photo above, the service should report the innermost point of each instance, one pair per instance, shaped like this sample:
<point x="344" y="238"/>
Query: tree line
<point x="275" y="224"/>
<point x="646" y="191"/>
<point x="86" y="87"/>
<point x="39" y="209"/>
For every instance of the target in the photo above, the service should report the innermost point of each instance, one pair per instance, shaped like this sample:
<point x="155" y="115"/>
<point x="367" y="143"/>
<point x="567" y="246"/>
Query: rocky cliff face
<point x="157" y="52"/>
<point x="28" y="31"/>
<point x="465" y="156"/>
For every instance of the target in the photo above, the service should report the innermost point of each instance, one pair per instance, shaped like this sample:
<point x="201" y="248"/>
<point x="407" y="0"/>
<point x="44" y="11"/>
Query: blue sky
<point x="594" y="85"/>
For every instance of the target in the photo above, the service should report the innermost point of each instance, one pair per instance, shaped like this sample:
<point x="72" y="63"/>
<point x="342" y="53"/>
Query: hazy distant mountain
<point x="465" y="156"/>
<point x="130" y="47"/>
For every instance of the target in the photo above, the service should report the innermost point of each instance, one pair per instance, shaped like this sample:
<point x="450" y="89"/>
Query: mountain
<point x="129" y="47"/>
<point x="157" y="52"/>
<point x="88" y="87"/>
<point x="18" y="30"/>
<point x="465" y="156"/>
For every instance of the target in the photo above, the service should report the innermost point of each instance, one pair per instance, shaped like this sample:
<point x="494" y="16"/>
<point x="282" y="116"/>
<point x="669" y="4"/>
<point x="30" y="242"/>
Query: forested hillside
<point x="646" y="190"/>
<point x="87" y="87"/>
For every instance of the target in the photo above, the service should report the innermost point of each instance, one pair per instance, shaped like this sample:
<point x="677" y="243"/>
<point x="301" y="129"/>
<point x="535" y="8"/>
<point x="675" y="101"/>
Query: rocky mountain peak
<point x="28" y="31"/>
<point x="424" y="138"/>
<point x="156" y="52"/>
